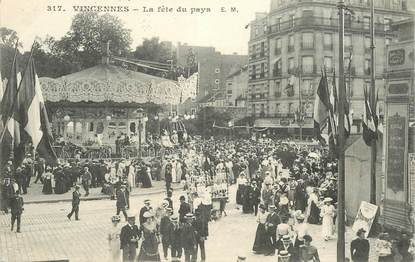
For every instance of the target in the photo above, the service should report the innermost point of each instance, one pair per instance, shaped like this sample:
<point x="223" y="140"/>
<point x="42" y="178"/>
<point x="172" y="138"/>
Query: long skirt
<point x="149" y="251"/>
<point x="327" y="226"/>
<point x="239" y="194"/>
<point x="314" y="217"/>
<point x="262" y="244"/>
<point x="47" y="187"/>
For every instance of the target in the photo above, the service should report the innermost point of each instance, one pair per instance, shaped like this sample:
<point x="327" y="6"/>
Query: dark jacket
<point x="164" y="226"/>
<point x="183" y="210"/>
<point x="127" y="233"/>
<point x="201" y="228"/>
<point x="142" y="211"/>
<point x="188" y="237"/>
<point x="16" y="205"/>
<point x="273" y="220"/>
<point x="359" y="249"/>
<point x="76" y="198"/>
<point x="256" y="195"/>
<point x="121" y="199"/>
<point x="175" y="235"/>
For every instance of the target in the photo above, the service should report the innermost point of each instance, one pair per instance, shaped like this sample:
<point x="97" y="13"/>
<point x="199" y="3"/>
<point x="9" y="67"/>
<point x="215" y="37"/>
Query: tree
<point x="8" y="37"/>
<point x="153" y="50"/>
<point x="207" y="116"/>
<point x="85" y="43"/>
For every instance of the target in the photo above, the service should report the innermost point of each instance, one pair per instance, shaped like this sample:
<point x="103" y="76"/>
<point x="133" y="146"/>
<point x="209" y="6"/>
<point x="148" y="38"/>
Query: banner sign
<point x="365" y="216"/>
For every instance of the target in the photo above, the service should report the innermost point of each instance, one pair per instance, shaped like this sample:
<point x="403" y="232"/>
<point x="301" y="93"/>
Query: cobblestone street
<point x="48" y="235"/>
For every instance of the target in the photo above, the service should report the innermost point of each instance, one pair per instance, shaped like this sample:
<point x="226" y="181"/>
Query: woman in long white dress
<point x="178" y="171"/>
<point x="327" y="212"/>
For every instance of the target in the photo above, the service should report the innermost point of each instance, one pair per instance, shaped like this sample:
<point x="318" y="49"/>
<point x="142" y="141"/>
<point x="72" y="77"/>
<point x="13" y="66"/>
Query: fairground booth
<point x="97" y="106"/>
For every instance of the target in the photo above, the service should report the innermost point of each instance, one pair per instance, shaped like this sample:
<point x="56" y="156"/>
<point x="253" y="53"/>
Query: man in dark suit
<point x="122" y="202"/>
<point x="130" y="234"/>
<point x="16" y="206"/>
<point x="165" y="228"/>
<point x="76" y="200"/>
<point x="145" y="208"/>
<point x="256" y="196"/>
<point x="168" y="176"/>
<point x="271" y="223"/>
<point x="175" y="239"/>
<point x="184" y="209"/>
<point x="201" y="230"/>
<point x="359" y="248"/>
<point x="188" y="239"/>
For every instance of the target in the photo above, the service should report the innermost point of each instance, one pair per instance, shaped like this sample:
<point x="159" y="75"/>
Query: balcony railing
<point x="262" y="75"/>
<point x="292" y="71"/>
<point x="315" y="21"/>
<point x="290" y="48"/>
<point x="307" y="45"/>
<point x="367" y="71"/>
<point x="276" y="73"/>
<point x="328" y="47"/>
<point x="308" y="69"/>
<point x="277" y="94"/>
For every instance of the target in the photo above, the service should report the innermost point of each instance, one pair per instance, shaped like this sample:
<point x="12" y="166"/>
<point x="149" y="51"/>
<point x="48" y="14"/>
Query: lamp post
<point x="140" y="113"/>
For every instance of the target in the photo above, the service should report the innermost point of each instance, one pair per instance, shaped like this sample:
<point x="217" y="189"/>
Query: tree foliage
<point x="207" y="116"/>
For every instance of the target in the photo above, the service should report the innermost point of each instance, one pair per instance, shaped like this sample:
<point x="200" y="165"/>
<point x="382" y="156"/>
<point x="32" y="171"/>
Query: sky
<point x="224" y="31"/>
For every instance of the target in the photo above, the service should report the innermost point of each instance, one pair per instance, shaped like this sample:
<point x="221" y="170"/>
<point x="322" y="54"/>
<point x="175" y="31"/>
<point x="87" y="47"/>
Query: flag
<point x="32" y="116"/>
<point x="10" y="134"/>
<point x="369" y="122"/>
<point x="321" y="107"/>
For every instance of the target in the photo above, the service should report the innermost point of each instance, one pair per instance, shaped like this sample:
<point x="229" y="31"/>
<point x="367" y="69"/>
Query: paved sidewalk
<point x="35" y="195"/>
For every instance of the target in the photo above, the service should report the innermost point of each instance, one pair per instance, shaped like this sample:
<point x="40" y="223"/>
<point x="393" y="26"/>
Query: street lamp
<point x="140" y="114"/>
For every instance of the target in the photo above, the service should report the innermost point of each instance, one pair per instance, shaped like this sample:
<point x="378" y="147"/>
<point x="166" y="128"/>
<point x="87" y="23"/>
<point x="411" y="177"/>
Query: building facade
<point x="296" y="40"/>
<point x="213" y="67"/>
<point x="237" y="87"/>
<point x="399" y="183"/>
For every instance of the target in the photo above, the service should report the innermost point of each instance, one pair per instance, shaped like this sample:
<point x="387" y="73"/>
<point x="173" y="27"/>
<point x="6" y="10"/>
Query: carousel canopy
<point x="106" y="82"/>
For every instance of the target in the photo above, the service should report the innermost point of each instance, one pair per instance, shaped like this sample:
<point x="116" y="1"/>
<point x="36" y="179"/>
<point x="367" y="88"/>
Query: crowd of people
<point x="286" y="185"/>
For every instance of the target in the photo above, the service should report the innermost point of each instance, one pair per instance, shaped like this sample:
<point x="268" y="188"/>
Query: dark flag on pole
<point x="10" y="136"/>
<point x="369" y="123"/>
<point x="32" y="115"/>
<point x="321" y="107"/>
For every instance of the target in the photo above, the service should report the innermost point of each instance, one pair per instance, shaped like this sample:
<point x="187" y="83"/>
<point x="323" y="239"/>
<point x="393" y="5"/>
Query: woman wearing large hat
<point x="262" y="243"/>
<point x="327" y="213"/>
<point x="149" y="250"/>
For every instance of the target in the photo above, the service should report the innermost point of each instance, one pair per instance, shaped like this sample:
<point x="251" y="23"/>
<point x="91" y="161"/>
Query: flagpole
<point x="372" y="104"/>
<point x="300" y="120"/>
<point x="341" y="141"/>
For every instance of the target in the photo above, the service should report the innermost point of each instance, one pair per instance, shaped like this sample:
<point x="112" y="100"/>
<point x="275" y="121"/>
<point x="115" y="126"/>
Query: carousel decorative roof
<point x="106" y="82"/>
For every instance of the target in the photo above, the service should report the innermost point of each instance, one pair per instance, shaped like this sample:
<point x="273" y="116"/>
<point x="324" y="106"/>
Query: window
<point x="388" y="41"/>
<point x="367" y="43"/>
<point x="291" y="65"/>
<point x="278" y="86"/>
<point x="253" y="76"/>
<point x="366" y="22"/>
<point x="277" y="108"/>
<point x="346" y="63"/>
<point x="265" y="28"/>
<point x="291" y="20"/>
<point x="308" y="64"/>
<point x="277" y="68"/>
<point x="229" y="92"/>
<point x="307" y="87"/>
<point x="308" y="40"/>
<point x="262" y="70"/>
<point x="328" y="44"/>
<point x="91" y="127"/>
<point x="291" y="43"/>
<point x="367" y="66"/>
<point x="328" y="63"/>
<point x="387" y="23"/>
<point x="347" y="41"/>
<point x="290" y="108"/>
<point x="278" y="46"/>
<point x="262" y="49"/>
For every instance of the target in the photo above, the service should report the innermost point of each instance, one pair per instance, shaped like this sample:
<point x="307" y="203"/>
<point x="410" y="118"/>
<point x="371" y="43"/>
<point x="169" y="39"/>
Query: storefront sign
<point x="365" y="216"/>
<point x="396" y="57"/>
<point x="396" y="153"/>
<point x="398" y="89"/>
